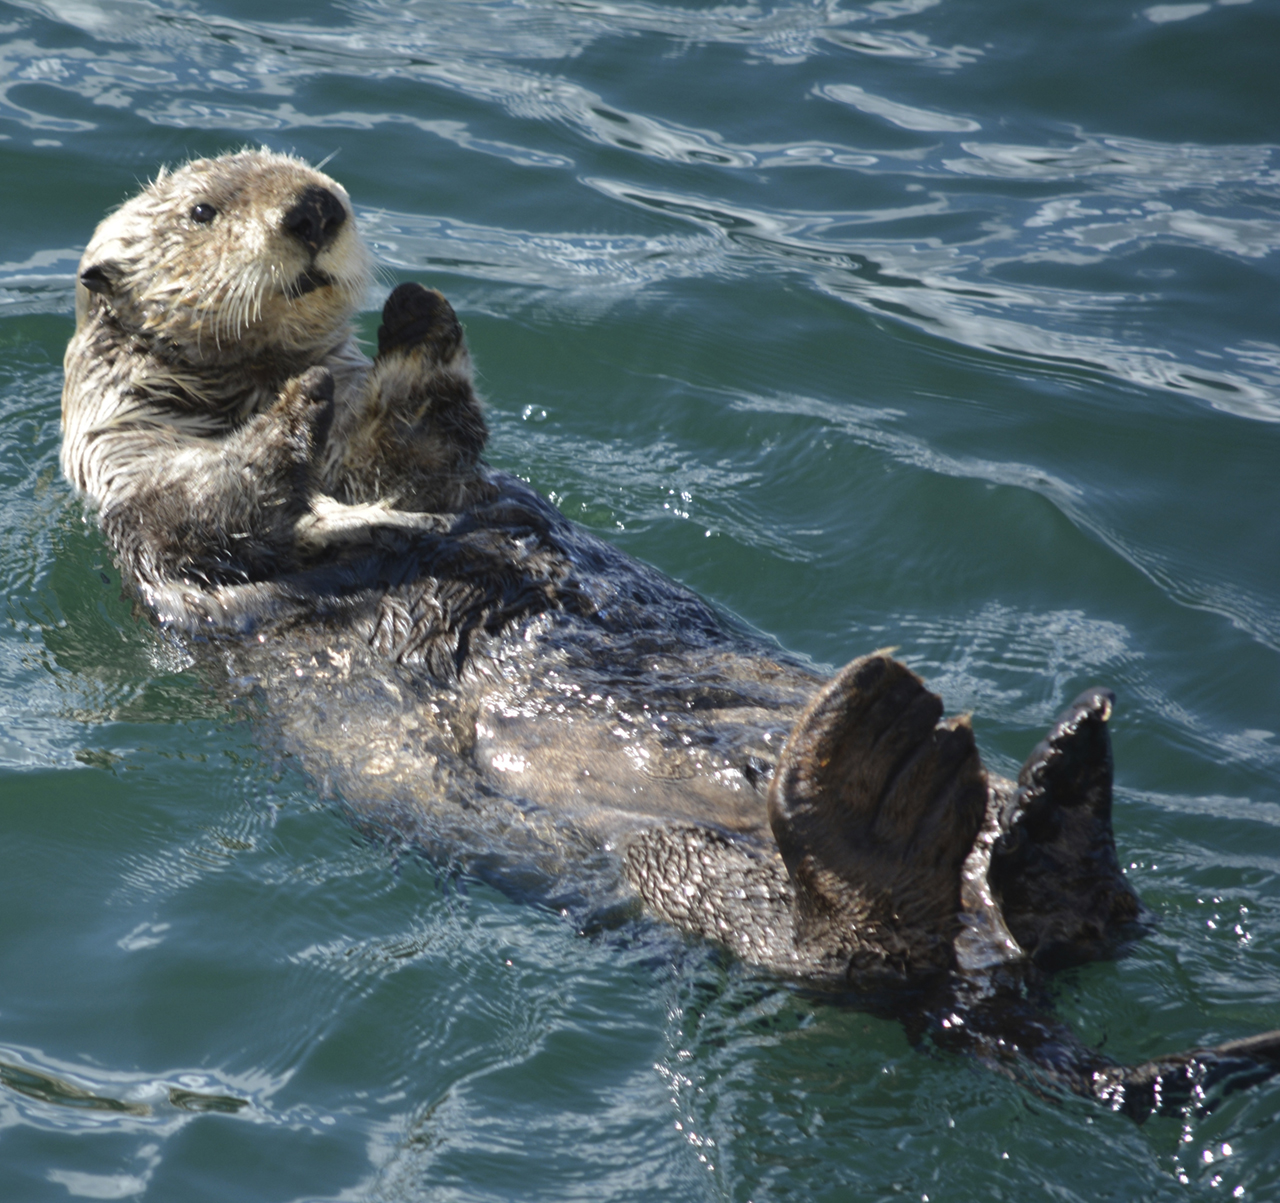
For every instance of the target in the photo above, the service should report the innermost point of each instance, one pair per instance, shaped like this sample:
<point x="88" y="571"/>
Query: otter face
<point x="235" y="258"/>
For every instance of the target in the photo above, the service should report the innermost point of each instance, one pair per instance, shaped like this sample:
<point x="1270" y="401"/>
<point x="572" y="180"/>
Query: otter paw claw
<point x="416" y="316"/>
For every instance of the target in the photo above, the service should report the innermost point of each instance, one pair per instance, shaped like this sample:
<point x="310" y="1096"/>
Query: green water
<point x="944" y="326"/>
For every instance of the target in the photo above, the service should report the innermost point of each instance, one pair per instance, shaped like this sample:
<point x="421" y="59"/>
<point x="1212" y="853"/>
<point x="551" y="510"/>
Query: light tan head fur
<point x="234" y="286"/>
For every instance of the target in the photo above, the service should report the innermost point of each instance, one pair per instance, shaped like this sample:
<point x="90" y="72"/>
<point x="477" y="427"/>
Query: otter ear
<point x="99" y="277"/>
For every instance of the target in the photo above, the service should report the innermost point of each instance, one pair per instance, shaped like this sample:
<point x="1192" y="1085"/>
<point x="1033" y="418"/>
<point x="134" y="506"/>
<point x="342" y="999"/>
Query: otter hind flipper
<point x="1054" y="867"/>
<point x="874" y="806"/>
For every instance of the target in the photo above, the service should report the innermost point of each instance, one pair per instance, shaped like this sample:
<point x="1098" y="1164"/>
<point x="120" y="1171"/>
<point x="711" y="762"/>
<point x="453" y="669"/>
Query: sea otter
<point x="478" y="676"/>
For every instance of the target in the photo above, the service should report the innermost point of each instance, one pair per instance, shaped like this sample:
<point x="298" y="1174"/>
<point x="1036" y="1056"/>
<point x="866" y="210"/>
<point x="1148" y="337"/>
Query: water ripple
<point x="56" y="1094"/>
<point x="1113" y="197"/>
<point x="904" y="116"/>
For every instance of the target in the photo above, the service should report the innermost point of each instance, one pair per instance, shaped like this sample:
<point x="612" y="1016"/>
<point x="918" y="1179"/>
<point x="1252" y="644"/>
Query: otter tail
<point x="999" y="1024"/>
<point x="1193" y="1080"/>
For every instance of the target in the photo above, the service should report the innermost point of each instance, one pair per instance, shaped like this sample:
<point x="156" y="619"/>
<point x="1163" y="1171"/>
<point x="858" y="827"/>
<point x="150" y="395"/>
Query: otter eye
<point x="203" y="213"/>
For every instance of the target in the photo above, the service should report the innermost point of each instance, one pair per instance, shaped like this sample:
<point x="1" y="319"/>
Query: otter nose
<point x="315" y="218"/>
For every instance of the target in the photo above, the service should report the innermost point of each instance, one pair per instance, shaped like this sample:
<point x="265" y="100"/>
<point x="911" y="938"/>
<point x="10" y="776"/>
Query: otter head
<point x="243" y="257"/>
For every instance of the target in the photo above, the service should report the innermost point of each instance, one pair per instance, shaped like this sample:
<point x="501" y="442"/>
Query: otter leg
<point x="731" y="889"/>
<point x="1054" y="869"/>
<point x="414" y="434"/>
<point x="874" y="805"/>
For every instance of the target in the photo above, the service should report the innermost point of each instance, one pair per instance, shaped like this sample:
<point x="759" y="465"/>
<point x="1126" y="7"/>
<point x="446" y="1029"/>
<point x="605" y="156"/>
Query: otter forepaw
<point x="305" y="409"/>
<point x="874" y="806"/>
<point x="1054" y="867"/>
<point x="415" y="316"/>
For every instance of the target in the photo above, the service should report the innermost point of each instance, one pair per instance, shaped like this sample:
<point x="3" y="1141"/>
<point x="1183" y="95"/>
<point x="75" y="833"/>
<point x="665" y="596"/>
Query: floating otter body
<point x="474" y="673"/>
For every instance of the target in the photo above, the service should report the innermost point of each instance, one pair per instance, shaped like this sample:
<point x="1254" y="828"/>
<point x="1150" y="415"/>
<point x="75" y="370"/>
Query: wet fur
<point x="471" y="671"/>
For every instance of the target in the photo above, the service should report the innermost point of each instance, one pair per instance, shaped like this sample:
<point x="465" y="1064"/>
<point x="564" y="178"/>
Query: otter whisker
<point x="234" y="310"/>
<point x="217" y="302"/>
<point x="236" y="306"/>
<point x="258" y="294"/>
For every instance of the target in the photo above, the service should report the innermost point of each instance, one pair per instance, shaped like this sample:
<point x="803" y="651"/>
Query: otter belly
<point x="644" y="761"/>
<point x="575" y="725"/>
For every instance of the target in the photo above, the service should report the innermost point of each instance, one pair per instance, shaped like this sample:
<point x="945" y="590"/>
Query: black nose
<point x="315" y="218"/>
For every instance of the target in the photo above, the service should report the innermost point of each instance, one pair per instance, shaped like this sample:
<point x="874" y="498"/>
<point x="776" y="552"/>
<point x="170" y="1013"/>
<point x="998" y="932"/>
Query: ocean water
<point x="941" y="326"/>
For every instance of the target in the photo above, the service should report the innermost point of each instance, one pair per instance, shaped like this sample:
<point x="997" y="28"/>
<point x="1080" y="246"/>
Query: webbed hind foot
<point x="874" y="806"/>
<point x="1054" y="868"/>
